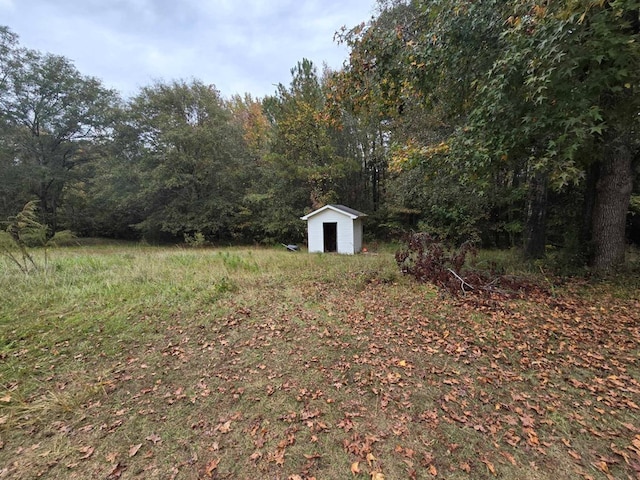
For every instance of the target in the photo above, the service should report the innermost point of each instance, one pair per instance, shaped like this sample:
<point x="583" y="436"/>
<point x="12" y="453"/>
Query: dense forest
<point x="509" y="123"/>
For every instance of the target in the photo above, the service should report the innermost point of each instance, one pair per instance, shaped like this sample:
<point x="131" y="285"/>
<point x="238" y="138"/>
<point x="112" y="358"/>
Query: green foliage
<point x="63" y="238"/>
<point x="181" y="163"/>
<point x="307" y="164"/>
<point x="52" y="119"/>
<point x="505" y="122"/>
<point x="542" y="99"/>
<point x="224" y="285"/>
<point x="234" y="262"/>
<point x="301" y="149"/>
<point x="634" y="205"/>
<point x="559" y="99"/>
<point x="197" y="240"/>
<point x="497" y="100"/>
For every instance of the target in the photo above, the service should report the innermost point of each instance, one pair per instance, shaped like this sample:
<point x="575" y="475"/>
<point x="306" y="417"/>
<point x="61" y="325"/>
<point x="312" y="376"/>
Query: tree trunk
<point x="536" y="222"/>
<point x="613" y="194"/>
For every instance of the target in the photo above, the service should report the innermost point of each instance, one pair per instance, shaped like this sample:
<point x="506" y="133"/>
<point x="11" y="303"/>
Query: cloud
<point x="238" y="45"/>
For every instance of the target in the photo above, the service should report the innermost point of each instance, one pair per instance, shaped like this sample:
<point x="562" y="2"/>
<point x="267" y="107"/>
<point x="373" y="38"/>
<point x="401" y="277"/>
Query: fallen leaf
<point x="116" y="471"/>
<point x="433" y="470"/>
<point x="5" y="399"/>
<point x="225" y="427"/>
<point x="133" y="449"/>
<point x="355" y="468"/>
<point x="602" y="466"/>
<point x="620" y="452"/>
<point x="313" y="456"/>
<point x="211" y="466"/>
<point x="465" y="467"/>
<point x="87" y="451"/>
<point x="527" y="420"/>
<point x="111" y="457"/>
<point x="490" y="466"/>
<point x="509" y="457"/>
<point x="574" y="454"/>
<point x="427" y="458"/>
<point x="279" y="457"/>
<point x="153" y="438"/>
<point x="533" y="436"/>
<point x="256" y="455"/>
<point x="370" y="458"/>
<point x="377" y="476"/>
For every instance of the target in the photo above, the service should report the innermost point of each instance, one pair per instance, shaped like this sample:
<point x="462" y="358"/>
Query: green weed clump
<point x="233" y="262"/>
<point x="197" y="240"/>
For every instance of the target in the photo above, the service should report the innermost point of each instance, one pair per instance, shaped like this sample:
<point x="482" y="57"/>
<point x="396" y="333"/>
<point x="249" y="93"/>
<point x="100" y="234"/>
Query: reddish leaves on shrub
<point x="429" y="260"/>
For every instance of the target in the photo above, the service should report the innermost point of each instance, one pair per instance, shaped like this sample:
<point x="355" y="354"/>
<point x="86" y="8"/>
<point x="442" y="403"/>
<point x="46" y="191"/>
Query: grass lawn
<point x="141" y="362"/>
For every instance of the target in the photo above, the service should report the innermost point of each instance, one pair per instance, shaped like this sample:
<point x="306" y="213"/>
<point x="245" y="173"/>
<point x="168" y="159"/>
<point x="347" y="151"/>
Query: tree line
<point x="510" y="123"/>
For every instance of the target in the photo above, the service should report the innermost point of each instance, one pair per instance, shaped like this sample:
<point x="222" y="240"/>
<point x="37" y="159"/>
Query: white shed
<point x="335" y="228"/>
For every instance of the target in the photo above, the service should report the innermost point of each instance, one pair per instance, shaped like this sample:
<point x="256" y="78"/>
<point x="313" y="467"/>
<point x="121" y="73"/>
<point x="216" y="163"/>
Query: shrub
<point x="429" y="260"/>
<point x="197" y="240"/>
<point x="64" y="238"/>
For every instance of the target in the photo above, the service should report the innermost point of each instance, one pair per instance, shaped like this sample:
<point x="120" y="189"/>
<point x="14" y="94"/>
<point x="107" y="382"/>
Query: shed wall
<point x="315" y="238"/>
<point x="357" y="235"/>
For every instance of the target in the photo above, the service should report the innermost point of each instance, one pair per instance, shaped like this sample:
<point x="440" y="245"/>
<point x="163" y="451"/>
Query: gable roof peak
<point x="350" y="212"/>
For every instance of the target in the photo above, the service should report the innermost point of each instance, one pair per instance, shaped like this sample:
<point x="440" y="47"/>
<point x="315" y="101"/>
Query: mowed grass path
<point x="141" y="362"/>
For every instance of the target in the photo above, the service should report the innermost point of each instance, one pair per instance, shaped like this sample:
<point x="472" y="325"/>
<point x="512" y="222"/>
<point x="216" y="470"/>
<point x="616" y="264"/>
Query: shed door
<point x="330" y="233"/>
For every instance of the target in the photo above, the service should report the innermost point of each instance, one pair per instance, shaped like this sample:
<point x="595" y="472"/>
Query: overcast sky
<point x="241" y="46"/>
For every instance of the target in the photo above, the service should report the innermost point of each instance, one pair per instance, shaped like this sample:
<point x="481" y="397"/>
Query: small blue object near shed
<point x="334" y="228"/>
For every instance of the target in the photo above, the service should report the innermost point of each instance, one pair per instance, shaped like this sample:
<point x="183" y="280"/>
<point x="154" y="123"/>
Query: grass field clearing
<point x="148" y="362"/>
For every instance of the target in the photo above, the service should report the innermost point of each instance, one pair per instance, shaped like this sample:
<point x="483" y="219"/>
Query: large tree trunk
<point x="613" y="194"/>
<point x="536" y="222"/>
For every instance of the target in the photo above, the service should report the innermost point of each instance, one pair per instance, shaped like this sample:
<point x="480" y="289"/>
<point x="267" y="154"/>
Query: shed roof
<point x="350" y="212"/>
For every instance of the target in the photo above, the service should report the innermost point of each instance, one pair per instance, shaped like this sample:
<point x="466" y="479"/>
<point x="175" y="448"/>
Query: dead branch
<point x="463" y="283"/>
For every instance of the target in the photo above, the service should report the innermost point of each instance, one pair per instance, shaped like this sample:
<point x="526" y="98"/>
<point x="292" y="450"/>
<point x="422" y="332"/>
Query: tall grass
<point x="100" y="297"/>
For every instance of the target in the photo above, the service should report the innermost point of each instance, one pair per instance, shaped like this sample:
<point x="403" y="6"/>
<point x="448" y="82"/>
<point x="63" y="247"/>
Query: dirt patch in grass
<point x="308" y="366"/>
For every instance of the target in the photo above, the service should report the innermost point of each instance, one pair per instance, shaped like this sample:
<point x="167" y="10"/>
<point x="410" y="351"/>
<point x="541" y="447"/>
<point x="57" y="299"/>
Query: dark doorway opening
<point x="330" y="231"/>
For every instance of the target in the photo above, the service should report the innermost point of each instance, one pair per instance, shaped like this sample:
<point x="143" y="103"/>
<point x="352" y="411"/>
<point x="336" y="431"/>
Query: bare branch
<point x="463" y="283"/>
